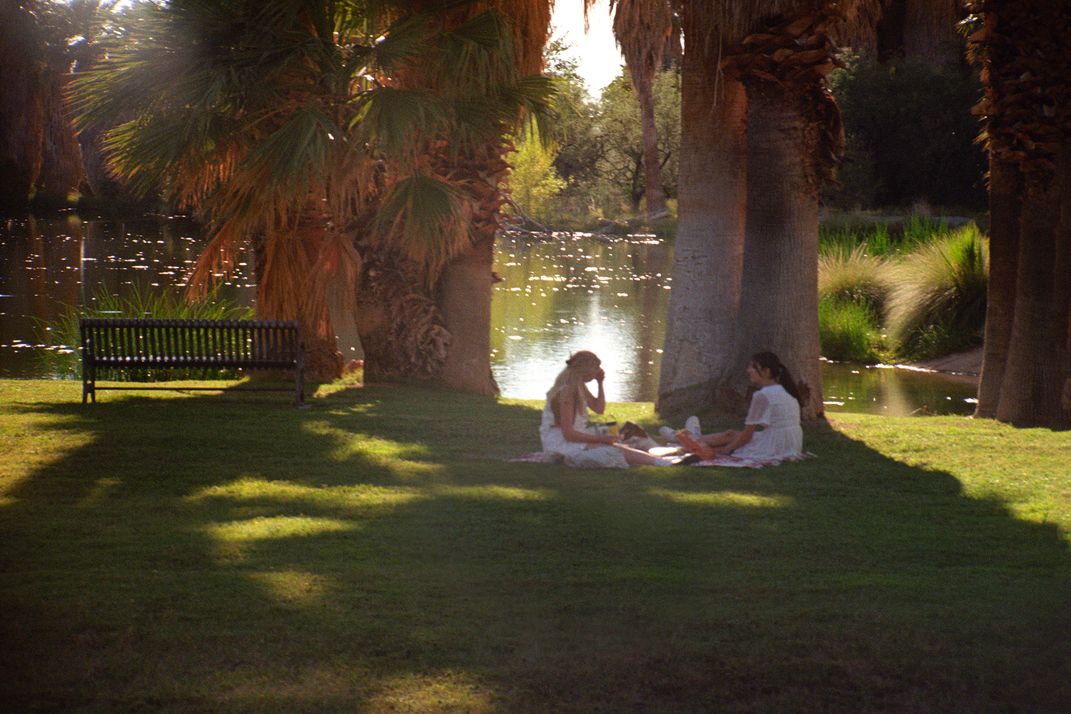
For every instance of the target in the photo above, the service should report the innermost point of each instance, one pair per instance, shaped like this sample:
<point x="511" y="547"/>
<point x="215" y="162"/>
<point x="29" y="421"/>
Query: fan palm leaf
<point x="278" y="119"/>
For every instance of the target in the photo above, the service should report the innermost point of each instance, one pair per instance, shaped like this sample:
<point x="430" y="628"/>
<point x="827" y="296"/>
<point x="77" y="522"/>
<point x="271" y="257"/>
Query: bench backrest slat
<point x="234" y="340"/>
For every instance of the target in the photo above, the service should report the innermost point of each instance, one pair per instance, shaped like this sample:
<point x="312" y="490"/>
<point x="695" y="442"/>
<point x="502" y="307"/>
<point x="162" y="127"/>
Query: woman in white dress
<point x="775" y="407"/>
<point x="564" y="429"/>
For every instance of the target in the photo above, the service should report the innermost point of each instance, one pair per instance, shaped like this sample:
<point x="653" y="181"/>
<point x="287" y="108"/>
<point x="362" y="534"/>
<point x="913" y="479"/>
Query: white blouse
<point x="778" y="413"/>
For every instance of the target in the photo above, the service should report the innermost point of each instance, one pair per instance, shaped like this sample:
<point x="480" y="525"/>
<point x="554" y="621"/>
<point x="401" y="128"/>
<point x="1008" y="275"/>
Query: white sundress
<point x="576" y="453"/>
<point x="781" y="438"/>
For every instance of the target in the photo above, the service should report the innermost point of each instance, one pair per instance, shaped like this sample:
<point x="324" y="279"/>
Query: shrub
<point x="848" y="331"/>
<point x="852" y="275"/>
<point x="939" y="304"/>
<point x="62" y="338"/>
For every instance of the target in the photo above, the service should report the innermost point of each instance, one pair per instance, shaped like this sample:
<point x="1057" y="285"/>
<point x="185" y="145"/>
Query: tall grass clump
<point x="939" y="304"/>
<point x="855" y="275"/>
<point x="854" y="290"/>
<point x="61" y="337"/>
<point x="847" y="331"/>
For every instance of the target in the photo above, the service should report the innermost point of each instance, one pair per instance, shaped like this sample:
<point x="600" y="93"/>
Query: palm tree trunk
<point x="284" y="265"/>
<point x="654" y="196"/>
<point x="1005" y="184"/>
<point x="1025" y="49"/>
<point x="465" y="301"/>
<point x="1060" y="316"/>
<point x="1030" y="389"/>
<point x="400" y="327"/>
<point x="779" y="296"/>
<point x="323" y="359"/>
<point x="22" y="115"/>
<point x="698" y="365"/>
<point x="642" y="28"/>
<point x="61" y="161"/>
<point x="465" y="286"/>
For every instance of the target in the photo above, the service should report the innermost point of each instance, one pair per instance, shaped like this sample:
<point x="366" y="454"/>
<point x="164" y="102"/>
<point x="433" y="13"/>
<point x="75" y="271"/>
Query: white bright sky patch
<point x="600" y="59"/>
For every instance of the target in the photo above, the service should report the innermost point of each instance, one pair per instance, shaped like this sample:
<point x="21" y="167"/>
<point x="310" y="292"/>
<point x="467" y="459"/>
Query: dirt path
<point x="968" y="363"/>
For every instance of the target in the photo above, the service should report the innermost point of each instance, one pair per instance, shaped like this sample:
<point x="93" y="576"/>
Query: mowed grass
<point x="375" y="552"/>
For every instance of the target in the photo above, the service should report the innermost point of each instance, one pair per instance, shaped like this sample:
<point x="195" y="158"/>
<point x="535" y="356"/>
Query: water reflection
<point x="895" y="391"/>
<point x="559" y="293"/>
<point x="47" y="265"/>
<point x="610" y="295"/>
<point x="557" y="296"/>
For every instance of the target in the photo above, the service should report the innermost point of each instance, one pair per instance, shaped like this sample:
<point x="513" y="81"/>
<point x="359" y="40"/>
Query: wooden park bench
<point x="121" y="346"/>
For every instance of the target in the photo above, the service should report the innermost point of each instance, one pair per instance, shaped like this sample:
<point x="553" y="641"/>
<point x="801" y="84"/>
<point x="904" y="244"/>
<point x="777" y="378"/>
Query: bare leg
<point x="635" y="457"/>
<point x="720" y="438"/>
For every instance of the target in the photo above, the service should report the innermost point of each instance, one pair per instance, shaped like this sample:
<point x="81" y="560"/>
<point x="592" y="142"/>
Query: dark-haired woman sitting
<point x="775" y="407"/>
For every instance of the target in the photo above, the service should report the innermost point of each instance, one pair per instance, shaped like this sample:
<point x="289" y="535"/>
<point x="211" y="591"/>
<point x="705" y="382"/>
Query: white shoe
<point x="664" y="461"/>
<point x="668" y="434"/>
<point x="692" y="425"/>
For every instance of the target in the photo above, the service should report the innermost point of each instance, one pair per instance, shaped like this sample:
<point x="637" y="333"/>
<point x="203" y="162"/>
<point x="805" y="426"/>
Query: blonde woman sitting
<point x="564" y="429"/>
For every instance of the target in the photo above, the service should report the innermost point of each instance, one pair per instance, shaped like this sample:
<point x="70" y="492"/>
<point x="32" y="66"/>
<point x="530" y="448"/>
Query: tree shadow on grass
<point x="374" y="552"/>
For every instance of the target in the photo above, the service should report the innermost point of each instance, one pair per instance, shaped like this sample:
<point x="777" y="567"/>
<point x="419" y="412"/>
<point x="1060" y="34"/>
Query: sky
<point x="600" y="60"/>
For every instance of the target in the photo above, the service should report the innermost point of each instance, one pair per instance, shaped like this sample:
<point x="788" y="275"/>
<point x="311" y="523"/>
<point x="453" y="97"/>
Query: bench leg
<point x="89" y="385"/>
<point x="299" y="376"/>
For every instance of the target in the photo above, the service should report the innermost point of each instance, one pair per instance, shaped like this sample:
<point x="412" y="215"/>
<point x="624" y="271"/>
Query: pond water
<point x="559" y="293"/>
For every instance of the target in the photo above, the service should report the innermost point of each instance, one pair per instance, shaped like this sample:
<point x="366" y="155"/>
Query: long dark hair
<point x="778" y="371"/>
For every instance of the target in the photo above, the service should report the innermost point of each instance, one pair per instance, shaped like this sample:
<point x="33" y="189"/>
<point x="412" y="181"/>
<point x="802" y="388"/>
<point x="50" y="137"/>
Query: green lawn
<point x="375" y="552"/>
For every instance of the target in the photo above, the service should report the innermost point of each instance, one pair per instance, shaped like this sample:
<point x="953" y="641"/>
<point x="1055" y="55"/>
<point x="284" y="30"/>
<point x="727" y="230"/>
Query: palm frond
<point x="425" y="219"/>
<point x="293" y="152"/>
<point x="395" y="118"/>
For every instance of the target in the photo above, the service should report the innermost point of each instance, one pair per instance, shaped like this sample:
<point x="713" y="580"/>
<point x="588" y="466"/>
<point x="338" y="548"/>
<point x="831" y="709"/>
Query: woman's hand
<point x="600" y="375"/>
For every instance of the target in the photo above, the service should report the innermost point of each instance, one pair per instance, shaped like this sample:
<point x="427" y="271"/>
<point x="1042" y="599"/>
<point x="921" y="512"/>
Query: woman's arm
<point x="597" y="403"/>
<point x="567" y="423"/>
<point x="741" y="438"/>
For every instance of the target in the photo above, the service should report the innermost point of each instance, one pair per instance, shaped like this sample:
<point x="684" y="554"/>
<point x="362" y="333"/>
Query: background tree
<point x="909" y="134"/>
<point x="623" y="150"/>
<point x="642" y="29"/>
<point x="577" y="141"/>
<point x="533" y="180"/>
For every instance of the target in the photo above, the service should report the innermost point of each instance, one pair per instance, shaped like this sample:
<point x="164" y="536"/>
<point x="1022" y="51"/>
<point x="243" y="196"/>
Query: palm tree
<point x="642" y="29"/>
<point x="766" y="239"/>
<point x="475" y="162"/>
<point x="290" y="125"/>
<point x="21" y="111"/>
<point x="914" y="29"/>
<point x="39" y="154"/>
<point x="699" y="353"/>
<point x="1024" y="48"/>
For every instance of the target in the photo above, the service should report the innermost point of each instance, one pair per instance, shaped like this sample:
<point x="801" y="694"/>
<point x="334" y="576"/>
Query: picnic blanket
<point x="549" y="457"/>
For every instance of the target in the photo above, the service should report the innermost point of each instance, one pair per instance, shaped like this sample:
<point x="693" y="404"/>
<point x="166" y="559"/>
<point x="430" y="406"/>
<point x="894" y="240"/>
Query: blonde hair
<point x="571" y="379"/>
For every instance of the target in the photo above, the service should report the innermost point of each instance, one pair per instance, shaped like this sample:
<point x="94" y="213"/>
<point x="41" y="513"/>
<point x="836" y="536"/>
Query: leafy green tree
<point x="574" y="135"/>
<point x="620" y="165"/>
<point x="534" y="182"/>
